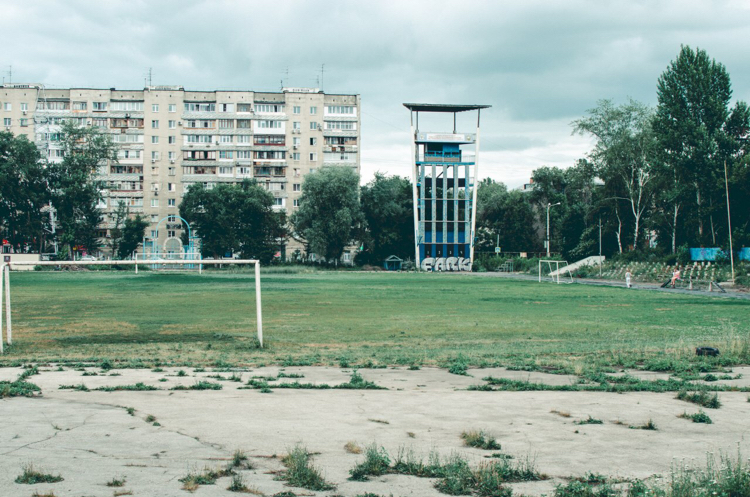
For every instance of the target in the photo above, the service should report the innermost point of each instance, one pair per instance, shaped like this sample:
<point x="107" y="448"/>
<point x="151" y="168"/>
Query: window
<point x="154" y="218"/>
<point x="99" y="106"/>
<point x="199" y="138"/>
<point x="171" y="218"/>
<point x="226" y="154"/>
<point x="296" y="141"/>
<point x="226" y="123"/>
<point x="127" y="106"/>
<point x="313" y="110"/>
<point x="172" y="124"/>
<point x="269" y="124"/>
<point x="225" y="170"/>
<point x="155" y="124"/>
<point x="278" y="201"/>
<point x="154" y="202"/>
<point x="99" y="123"/>
<point x="8" y="106"/>
<point x="79" y="106"/>
<point x="345" y="126"/>
<point x="340" y="109"/>
<point x="226" y="107"/>
<point x="171" y="171"/>
<point x="172" y="156"/>
<point x="154" y="187"/>
<point x="296" y="125"/>
<point x="172" y="140"/>
<point x="296" y="187"/>
<point x="154" y="107"/>
<point x="313" y="125"/>
<point x="295" y="156"/>
<point x="199" y="107"/>
<point x="296" y="202"/>
<point x="244" y="108"/>
<point x="264" y="154"/>
<point x="172" y="108"/>
<point x="296" y="172"/>
<point x="225" y="138"/>
<point x="154" y="234"/>
<point x="269" y="108"/>
<point x="297" y="109"/>
<point x="270" y="139"/>
<point x="24" y="122"/>
<point x="243" y="138"/>
<point x="244" y="154"/>
<point x="313" y="141"/>
<point x="244" y="123"/>
<point x="313" y="156"/>
<point x="24" y="106"/>
<point x="154" y="155"/>
<point x="6" y="121"/>
<point x="171" y="202"/>
<point x="172" y="187"/>
<point x="154" y="139"/>
<point x="171" y="233"/>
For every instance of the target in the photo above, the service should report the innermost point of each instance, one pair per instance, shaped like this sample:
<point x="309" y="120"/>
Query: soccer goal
<point x="5" y="294"/>
<point x="554" y="274"/>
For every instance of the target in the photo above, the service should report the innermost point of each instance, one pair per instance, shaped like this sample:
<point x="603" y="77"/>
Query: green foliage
<point x="131" y="235"/>
<point x="199" y="385"/>
<point x="140" y="386"/>
<point x="23" y="192"/>
<point x="18" y="388"/>
<point x="700" y="397"/>
<point x="505" y="213"/>
<point x="387" y="210"/>
<point x="698" y="417"/>
<point x="234" y="218"/>
<point x="589" y="421"/>
<point x="300" y="471"/>
<point x="376" y="463"/>
<point x="31" y="476"/>
<point x="329" y="211"/>
<point x="578" y="488"/>
<point x="480" y="439"/>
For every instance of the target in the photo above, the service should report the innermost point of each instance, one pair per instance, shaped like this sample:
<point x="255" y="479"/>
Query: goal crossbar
<point x="555" y="275"/>
<point x="5" y="268"/>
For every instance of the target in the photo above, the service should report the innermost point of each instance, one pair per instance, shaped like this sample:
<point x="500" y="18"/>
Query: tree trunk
<point x="619" y="229"/>
<point x="674" y="227"/>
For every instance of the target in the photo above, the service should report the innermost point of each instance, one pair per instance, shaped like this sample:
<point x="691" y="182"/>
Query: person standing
<point x="627" y="278"/>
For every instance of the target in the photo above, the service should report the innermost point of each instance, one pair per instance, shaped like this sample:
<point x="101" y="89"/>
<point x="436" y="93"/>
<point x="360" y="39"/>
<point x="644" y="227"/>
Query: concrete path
<point x="90" y="438"/>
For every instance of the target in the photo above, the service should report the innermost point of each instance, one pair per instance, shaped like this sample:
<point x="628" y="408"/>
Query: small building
<point x="393" y="263"/>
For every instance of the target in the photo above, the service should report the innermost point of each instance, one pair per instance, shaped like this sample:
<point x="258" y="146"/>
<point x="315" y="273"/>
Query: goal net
<point x="73" y="300"/>
<point x="550" y="270"/>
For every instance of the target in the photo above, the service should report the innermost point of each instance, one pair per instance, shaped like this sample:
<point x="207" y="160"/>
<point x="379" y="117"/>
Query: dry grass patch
<point x="564" y="414"/>
<point x="352" y="448"/>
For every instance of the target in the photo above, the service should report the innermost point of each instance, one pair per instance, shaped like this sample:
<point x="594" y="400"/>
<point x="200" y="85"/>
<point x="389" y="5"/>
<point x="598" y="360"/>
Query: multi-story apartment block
<point x="170" y="139"/>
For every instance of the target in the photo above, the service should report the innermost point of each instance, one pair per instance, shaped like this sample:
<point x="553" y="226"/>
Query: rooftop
<point x="443" y="107"/>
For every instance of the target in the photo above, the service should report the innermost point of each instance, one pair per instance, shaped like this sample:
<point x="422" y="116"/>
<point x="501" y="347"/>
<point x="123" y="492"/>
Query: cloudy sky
<point x="540" y="64"/>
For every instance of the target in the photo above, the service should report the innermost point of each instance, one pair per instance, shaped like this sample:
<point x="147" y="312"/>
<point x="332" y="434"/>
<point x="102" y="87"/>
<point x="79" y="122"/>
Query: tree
<point x="23" y="192"/>
<point x="131" y="235"/>
<point x="549" y="188"/>
<point x="234" y="218"/>
<point x="504" y="214"/>
<point x="388" y="212"/>
<point x="624" y="153"/>
<point x="329" y="211"/>
<point x="116" y="234"/>
<point x="696" y="132"/>
<point x="75" y="190"/>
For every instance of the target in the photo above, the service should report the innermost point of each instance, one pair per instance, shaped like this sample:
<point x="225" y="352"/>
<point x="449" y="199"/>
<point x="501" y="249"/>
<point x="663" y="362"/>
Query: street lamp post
<point x="548" y="206"/>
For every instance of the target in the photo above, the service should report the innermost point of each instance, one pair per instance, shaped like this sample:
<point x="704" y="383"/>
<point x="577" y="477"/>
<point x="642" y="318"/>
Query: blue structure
<point x="444" y="175"/>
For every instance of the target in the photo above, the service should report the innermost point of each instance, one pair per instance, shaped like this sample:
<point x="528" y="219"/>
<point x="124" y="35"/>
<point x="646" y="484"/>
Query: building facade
<point x="170" y="139"/>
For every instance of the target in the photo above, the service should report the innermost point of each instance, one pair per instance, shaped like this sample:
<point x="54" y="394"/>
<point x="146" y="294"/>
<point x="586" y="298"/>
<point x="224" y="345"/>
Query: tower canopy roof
<point x="443" y="107"/>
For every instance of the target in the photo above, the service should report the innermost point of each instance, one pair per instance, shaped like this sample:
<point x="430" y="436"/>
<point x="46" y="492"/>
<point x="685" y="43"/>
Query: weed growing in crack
<point x="116" y="482"/>
<point x="698" y="417"/>
<point x="589" y="421"/>
<point x="701" y="397"/>
<point x="300" y="471"/>
<point x="32" y="476"/>
<point x="648" y="425"/>
<point x="352" y="448"/>
<point x="80" y="387"/>
<point x="376" y="463"/>
<point x="138" y="387"/>
<point x="199" y="385"/>
<point x="480" y="439"/>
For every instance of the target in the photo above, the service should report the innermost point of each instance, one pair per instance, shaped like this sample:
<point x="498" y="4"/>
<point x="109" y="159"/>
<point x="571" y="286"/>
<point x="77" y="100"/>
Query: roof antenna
<point x="322" y="74"/>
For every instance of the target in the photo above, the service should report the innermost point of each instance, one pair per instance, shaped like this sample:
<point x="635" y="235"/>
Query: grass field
<point x="364" y="319"/>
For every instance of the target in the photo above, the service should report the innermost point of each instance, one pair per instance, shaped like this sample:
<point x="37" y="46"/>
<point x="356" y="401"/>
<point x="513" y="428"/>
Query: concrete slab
<point x="89" y="437"/>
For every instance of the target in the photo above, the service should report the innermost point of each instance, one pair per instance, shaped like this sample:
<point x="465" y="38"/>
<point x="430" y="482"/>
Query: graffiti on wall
<point x="446" y="264"/>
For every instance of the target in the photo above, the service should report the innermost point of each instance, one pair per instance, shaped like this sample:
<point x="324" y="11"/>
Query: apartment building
<point x="170" y="139"/>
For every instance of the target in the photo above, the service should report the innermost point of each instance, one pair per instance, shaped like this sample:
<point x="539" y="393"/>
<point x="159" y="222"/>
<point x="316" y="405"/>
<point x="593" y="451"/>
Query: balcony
<point x="445" y="157"/>
<point x="269" y="171"/>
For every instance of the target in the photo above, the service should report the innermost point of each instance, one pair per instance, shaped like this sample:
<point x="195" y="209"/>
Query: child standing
<point x="627" y="278"/>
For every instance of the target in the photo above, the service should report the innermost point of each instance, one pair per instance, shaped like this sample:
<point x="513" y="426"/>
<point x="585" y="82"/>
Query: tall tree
<point x="234" y="218"/>
<point x="132" y="233"/>
<point x="697" y="131"/>
<point x="23" y="192"/>
<point x="624" y="154"/>
<point x="329" y="213"/>
<point x="116" y="234"/>
<point x="388" y="212"/>
<point x="504" y="216"/>
<point x="75" y="190"/>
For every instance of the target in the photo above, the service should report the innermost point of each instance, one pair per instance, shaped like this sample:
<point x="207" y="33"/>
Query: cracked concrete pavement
<point x="90" y="438"/>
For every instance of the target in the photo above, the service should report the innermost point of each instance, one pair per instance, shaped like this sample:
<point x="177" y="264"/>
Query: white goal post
<point x="555" y="273"/>
<point x="5" y="281"/>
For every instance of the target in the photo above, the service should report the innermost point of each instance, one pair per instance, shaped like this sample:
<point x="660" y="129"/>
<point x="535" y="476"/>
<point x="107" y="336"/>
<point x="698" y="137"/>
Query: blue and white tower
<point x="444" y="175"/>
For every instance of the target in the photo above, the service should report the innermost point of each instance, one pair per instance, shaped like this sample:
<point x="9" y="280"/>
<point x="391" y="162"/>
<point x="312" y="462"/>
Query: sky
<point x="539" y="64"/>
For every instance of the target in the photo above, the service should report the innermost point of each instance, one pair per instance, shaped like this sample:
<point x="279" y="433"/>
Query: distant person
<point x="675" y="276"/>
<point x="627" y="278"/>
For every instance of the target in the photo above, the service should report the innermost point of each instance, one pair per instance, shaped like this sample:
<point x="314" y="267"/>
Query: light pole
<point x="548" y="206"/>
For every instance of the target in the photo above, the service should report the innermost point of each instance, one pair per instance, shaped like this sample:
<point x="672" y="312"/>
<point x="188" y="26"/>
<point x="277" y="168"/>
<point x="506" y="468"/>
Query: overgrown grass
<point x="698" y="417"/>
<point x="32" y="476"/>
<point x="356" y="382"/>
<point x="589" y="421"/>
<point x="376" y="463"/>
<point x="700" y="397"/>
<point x="480" y="439"/>
<point x="300" y="471"/>
<point x="116" y="482"/>
<point x="138" y="387"/>
<point x="572" y="324"/>
<point x="208" y="476"/>
<point x="199" y="385"/>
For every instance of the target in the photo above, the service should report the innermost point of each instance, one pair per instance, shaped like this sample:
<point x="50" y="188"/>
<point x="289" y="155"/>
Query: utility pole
<point x="548" y="206"/>
<point x="729" y="219"/>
